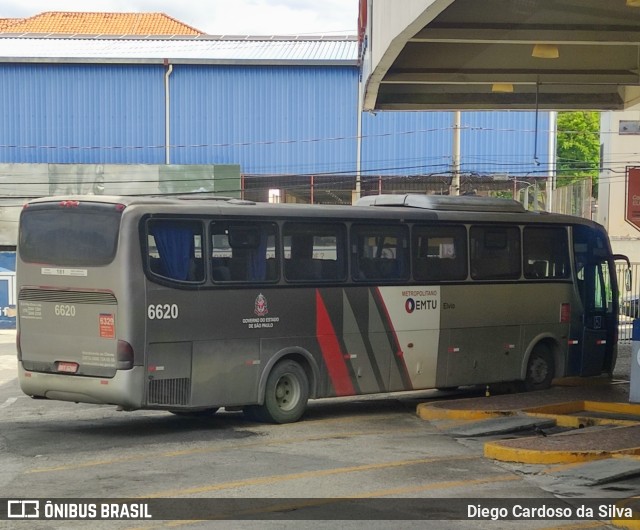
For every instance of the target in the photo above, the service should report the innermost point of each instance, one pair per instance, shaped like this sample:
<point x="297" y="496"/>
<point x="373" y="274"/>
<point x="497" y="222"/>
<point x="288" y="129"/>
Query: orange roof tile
<point x="6" y="22"/>
<point x="67" y="22"/>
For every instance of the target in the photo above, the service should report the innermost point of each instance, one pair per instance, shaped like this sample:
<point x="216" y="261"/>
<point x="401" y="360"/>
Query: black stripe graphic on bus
<point x="358" y="302"/>
<point x="396" y="350"/>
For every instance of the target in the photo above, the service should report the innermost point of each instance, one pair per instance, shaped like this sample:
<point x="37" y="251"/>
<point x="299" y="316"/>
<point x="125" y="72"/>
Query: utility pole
<point x="455" y="182"/>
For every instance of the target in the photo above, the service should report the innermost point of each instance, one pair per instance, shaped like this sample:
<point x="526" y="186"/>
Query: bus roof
<point x="399" y="207"/>
<point x="462" y="203"/>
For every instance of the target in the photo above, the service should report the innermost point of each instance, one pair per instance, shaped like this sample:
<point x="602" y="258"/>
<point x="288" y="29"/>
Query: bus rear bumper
<point x="125" y="389"/>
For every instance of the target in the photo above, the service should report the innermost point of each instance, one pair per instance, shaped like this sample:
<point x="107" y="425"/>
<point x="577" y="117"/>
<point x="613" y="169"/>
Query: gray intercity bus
<point x="191" y="304"/>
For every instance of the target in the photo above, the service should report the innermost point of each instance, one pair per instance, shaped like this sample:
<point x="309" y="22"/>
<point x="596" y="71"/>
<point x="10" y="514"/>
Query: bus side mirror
<point x="627" y="272"/>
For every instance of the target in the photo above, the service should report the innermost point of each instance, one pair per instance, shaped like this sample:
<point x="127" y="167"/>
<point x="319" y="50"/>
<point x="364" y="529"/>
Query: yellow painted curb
<point x="633" y="456"/>
<point x="496" y="451"/>
<point x="580" y="422"/>
<point x="504" y="453"/>
<point x="613" y="407"/>
<point x="571" y="407"/>
<point x="430" y="411"/>
<point x="572" y="414"/>
<point x="629" y="524"/>
<point x="562" y="413"/>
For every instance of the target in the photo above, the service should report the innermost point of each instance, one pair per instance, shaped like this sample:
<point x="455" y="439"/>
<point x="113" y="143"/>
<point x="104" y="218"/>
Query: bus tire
<point x="540" y="369"/>
<point x="286" y="394"/>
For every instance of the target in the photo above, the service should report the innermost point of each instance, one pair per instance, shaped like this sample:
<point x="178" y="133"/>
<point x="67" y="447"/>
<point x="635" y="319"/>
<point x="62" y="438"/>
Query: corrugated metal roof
<point x="211" y="50"/>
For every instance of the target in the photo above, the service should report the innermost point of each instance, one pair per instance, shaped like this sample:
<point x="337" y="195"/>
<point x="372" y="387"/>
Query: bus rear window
<point x="86" y="234"/>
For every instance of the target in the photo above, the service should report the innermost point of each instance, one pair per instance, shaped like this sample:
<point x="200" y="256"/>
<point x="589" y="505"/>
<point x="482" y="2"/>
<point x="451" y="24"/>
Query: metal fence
<point x="572" y="199"/>
<point x="575" y="199"/>
<point x="629" y="300"/>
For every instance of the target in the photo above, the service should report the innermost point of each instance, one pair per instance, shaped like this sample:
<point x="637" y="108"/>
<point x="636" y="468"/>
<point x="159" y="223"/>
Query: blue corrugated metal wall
<point x="81" y="113"/>
<point x="406" y="143"/>
<point x="419" y="143"/>
<point x="276" y="120"/>
<point x="269" y="119"/>
<point x="505" y="142"/>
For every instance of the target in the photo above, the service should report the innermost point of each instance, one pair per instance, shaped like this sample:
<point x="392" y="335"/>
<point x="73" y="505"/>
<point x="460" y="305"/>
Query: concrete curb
<point x="580" y="414"/>
<point x="563" y="412"/>
<point x="573" y="414"/>
<point x="633" y="524"/>
<point x="431" y="411"/>
<point x="599" y="435"/>
<point x="507" y="451"/>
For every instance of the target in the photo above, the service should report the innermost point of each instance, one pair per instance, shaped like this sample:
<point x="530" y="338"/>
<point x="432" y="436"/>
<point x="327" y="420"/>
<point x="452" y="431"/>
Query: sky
<point x="219" y="17"/>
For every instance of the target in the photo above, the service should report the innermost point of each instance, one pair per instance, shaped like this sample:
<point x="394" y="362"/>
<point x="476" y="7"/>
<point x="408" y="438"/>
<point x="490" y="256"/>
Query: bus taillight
<point x="124" y="355"/>
<point x="565" y="313"/>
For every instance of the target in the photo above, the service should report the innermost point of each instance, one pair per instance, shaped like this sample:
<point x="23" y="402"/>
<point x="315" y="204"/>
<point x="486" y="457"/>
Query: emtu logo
<point x="412" y="305"/>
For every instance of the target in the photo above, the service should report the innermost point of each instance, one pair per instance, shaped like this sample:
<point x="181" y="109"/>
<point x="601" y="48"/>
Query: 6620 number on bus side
<point x="64" y="310"/>
<point x="162" y="311"/>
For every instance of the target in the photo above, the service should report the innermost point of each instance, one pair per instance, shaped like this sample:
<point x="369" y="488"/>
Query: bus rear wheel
<point x="540" y="369"/>
<point x="286" y="395"/>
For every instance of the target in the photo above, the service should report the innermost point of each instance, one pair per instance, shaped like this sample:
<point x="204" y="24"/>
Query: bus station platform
<point x="576" y="420"/>
<point x="585" y="430"/>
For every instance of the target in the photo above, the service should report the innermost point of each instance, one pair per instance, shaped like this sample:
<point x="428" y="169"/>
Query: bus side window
<point x="175" y="249"/>
<point x="495" y="252"/>
<point x="243" y="252"/>
<point x="380" y="252"/>
<point x="313" y="252"/>
<point x="546" y="253"/>
<point x="440" y="253"/>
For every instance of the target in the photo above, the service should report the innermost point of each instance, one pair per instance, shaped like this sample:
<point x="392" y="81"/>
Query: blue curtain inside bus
<point x="175" y="247"/>
<point x="258" y="262"/>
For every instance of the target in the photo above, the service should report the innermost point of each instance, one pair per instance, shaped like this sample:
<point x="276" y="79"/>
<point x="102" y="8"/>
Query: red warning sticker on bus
<point x="107" y="326"/>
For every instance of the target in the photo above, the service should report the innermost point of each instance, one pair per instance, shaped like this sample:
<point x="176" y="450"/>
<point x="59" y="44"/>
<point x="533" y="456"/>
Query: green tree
<point x="578" y="147"/>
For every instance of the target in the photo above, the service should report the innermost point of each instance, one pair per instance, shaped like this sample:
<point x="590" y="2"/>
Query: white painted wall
<point x="619" y="151"/>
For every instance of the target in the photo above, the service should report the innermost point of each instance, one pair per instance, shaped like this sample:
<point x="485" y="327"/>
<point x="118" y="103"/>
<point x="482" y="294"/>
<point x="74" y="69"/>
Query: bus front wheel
<point x="286" y="394"/>
<point x="540" y="369"/>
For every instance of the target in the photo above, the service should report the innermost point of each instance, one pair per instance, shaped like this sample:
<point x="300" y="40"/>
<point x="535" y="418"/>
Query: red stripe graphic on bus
<point x="331" y="351"/>
<point x="398" y="354"/>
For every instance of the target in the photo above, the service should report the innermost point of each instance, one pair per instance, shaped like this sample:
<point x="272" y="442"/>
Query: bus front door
<point x="599" y="335"/>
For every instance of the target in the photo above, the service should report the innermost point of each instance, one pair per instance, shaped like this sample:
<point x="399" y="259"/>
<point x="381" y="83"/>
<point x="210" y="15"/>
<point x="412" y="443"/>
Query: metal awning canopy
<point x="454" y="54"/>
